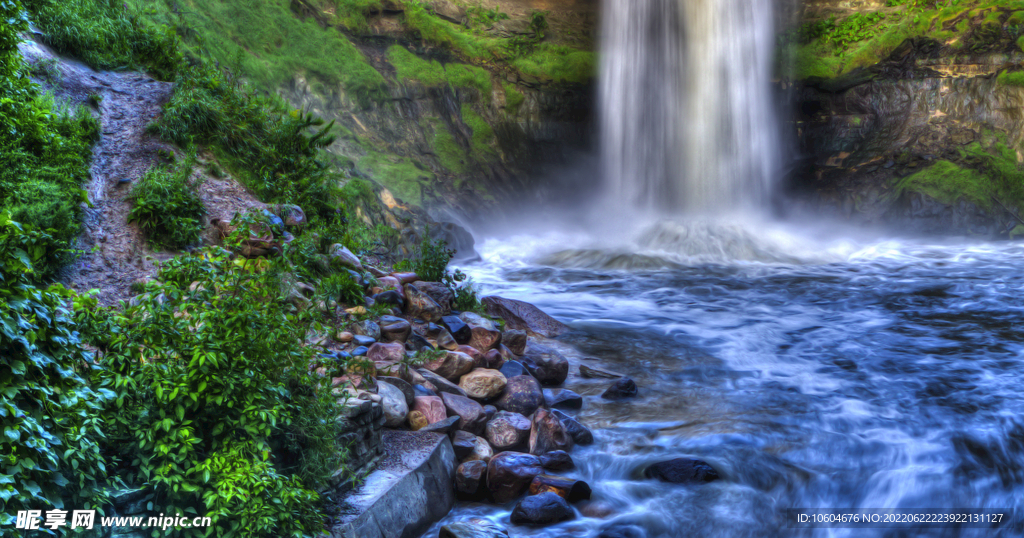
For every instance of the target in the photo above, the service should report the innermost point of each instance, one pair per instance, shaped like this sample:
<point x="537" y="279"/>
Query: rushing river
<point x="810" y="373"/>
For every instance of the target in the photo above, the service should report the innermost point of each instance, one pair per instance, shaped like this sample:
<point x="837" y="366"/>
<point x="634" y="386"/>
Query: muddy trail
<point x="115" y="253"/>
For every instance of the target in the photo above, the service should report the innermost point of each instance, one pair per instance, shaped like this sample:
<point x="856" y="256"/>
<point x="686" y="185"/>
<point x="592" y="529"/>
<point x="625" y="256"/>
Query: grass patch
<point x="513" y="98"/>
<point x="402" y="176"/>
<point x="983" y="173"/>
<point x="469" y="76"/>
<point x="431" y="73"/>
<point x="265" y="42"/>
<point x="558" y="63"/>
<point x="451" y="155"/>
<point x="947" y="183"/>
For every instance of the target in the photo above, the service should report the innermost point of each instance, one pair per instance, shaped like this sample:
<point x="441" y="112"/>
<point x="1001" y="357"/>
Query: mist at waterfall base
<point x="813" y="366"/>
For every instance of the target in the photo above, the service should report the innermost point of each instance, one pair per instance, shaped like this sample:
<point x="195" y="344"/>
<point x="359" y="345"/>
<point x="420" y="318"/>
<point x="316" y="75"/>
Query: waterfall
<point x="687" y="117"/>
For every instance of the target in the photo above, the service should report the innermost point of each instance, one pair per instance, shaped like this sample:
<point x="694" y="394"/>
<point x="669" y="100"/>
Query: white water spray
<point x="687" y="118"/>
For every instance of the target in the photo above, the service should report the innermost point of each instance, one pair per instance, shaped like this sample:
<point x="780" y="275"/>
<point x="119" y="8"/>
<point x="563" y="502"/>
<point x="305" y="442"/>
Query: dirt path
<point x="116" y="253"/>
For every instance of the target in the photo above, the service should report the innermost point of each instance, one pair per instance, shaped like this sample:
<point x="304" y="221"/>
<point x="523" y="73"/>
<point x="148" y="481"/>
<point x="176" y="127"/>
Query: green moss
<point x="450" y="154"/>
<point x="468" y="76"/>
<point x="403" y="177"/>
<point x="440" y="32"/>
<point x="264" y="41"/>
<point x="513" y="98"/>
<point x="352" y="13"/>
<point x="558" y="63"/>
<point x="1020" y="43"/>
<point x="947" y="183"/>
<point x="412" y="67"/>
<point x="483" y="135"/>
<point x="1011" y="78"/>
<point x="1016" y="18"/>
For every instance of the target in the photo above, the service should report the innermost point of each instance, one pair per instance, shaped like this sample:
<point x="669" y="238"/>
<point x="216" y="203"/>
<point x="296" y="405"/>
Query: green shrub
<point x="167" y="206"/>
<point x="211" y="381"/>
<point x="431" y="263"/>
<point x="341" y="287"/>
<point x="50" y="452"/>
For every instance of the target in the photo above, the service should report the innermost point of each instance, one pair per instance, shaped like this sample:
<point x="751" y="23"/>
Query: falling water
<point x="687" y="119"/>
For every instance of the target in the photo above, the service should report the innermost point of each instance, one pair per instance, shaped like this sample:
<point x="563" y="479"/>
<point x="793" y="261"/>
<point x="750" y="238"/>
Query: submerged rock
<point x="563" y="398"/>
<point x="589" y="372"/>
<point x="543" y="509"/>
<point x="623" y="388"/>
<point x="473" y="528"/>
<point x="682" y="471"/>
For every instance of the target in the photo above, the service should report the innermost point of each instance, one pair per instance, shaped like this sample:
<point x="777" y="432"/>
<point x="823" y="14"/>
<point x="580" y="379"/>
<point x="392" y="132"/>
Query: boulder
<point x="394" y="329"/>
<point x="363" y="340"/>
<point x="581" y="435"/>
<point x="441" y="384"/>
<point x="547" y="433"/>
<point x="420" y="305"/>
<point x="451" y="366"/>
<point x="473" y="528"/>
<point x="682" y="471"/>
<point x="438" y="292"/>
<point x="417" y="421"/>
<point x="492" y="359"/>
<point x="432" y="408"/>
<point x="623" y="388"/>
<point x="407" y="391"/>
<point x="396" y="410"/>
<point x="569" y="489"/>
<point x="291" y="215"/>
<point x="472" y="352"/>
<point x="509" y="475"/>
<point x="483" y="384"/>
<point x="506" y="353"/>
<point x="367" y="328"/>
<point x="417" y="343"/>
<point x="513" y="369"/>
<point x="597" y="373"/>
<point x="484" y="334"/>
<point x="444" y="427"/>
<point x="523" y="316"/>
<point x="562" y="399"/>
<point x="471" y="414"/>
<point x="458" y="328"/>
<point x="340" y="255"/>
<point x="471" y="480"/>
<point x="405" y="278"/>
<point x="445" y="341"/>
<point x="557" y="460"/>
<point x="515" y="340"/>
<point x="546" y="364"/>
<point x="508" y="431"/>
<point x="481" y="451"/>
<point x="544" y="509"/>
<point x="387" y="358"/>
<point x="464" y="443"/>
<point x="389" y="297"/>
<point x="522" y="395"/>
<point x="390" y="283"/>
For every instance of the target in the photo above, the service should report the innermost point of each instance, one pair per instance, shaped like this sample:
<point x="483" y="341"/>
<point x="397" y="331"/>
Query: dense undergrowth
<point x="833" y="46"/>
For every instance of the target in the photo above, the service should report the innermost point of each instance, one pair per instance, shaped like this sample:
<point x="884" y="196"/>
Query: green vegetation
<point x="835" y="46"/>
<point x="213" y="411"/>
<point x="263" y="41"/>
<point x="433" y="74"/>
<point x="483" y="136"/>
<point x="44" y="153"/>
<point x="105" y="35"/>
<point x="1011" y="78"/>
<point x="49" y="411"/>
<point x="167" y="206"/>
<point x="451" y="155"/>
<point x="513" y="98"/>
<point x="404" y="177"/>
<point x="985" y="173"/>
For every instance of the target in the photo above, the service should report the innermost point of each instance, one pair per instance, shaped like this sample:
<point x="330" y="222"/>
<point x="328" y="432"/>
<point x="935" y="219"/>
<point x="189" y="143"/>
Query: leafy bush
<point x="44" y="153"/>
<point x="431" y="263"/>
<point x="50" y="451"/>
<point x="167" y="206"/>
<point x="341" y="287"/>
<point x="211" y="383"/>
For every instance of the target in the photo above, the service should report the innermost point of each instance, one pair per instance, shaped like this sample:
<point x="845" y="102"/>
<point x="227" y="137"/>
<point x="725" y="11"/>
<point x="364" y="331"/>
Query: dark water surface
<point x="814" y="375"/>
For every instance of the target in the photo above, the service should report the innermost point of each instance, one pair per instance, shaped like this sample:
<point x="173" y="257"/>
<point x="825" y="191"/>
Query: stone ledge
<point x="411" y="489"/>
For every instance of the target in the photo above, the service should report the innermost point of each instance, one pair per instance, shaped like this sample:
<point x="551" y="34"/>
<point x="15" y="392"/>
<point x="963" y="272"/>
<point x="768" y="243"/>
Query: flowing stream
<point x="809" y="372"/>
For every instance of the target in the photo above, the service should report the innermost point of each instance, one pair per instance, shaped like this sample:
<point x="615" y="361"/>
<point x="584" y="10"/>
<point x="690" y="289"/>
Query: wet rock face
<point x="546" y="364"/>
<point x="522" y="395"/>
<point x="523" y="316"/>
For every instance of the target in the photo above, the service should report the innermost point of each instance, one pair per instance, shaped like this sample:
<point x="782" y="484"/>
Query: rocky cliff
<point x="910" y="113"/>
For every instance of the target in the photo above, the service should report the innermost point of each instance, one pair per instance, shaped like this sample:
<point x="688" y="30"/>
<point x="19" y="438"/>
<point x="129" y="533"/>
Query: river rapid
<point x="810" y="372"/>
